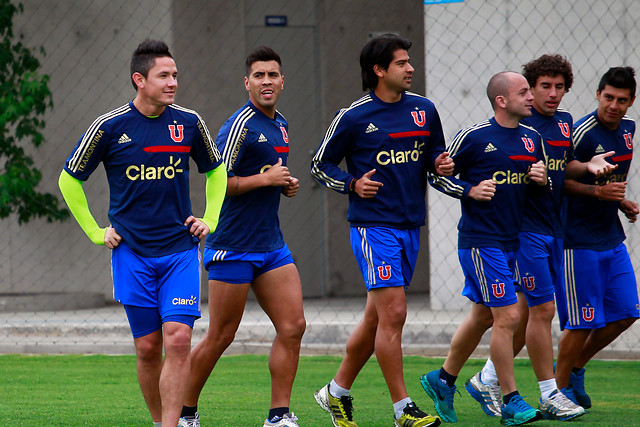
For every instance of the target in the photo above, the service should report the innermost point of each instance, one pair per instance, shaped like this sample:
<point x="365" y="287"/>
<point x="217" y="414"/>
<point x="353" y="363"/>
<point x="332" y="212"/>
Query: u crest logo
<point x="498" y="290"/>
<point x="420" y="121"/>
<point x="529" y="283"/>
<point x="587" y="314"/>
<point x="384" y="272"/>
<point x="285" y="135"/>
<point x="564" y="128"/>
<point x="528" y="144"/>
<point x="628" y="140"/>
<point x="179" y="136"/>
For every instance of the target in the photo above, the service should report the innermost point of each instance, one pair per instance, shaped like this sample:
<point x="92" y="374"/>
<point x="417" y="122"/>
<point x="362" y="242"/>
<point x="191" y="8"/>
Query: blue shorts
<point x="169" y="284"/>
<point x="600" y="288"/>
<point x="539" y="267"/>
<point x="386" y="256"/>
<point x="488" y="276"/>
<point x="243" y="267"/>
<point x="145" y="320"/>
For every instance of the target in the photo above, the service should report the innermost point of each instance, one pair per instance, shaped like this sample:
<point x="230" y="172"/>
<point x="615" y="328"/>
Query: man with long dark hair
<point x="390" y="139"/>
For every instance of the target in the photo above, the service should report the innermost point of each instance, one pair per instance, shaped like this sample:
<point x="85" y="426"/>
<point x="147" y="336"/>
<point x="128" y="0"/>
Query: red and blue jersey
<point x="401" y="140"/>
<point x="147" y="165"/>
<point x="545" y="211"/>
<point x="489" y="151"/>
<point x="250" y="143"/>
<point x="591" y="223"/>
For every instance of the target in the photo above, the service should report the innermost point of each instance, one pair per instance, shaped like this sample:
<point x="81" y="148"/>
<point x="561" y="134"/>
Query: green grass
<point x="103" y="391"/>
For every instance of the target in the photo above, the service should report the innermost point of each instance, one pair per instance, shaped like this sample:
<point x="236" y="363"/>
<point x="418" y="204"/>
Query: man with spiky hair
<point x="600" y="284"/>
<point x="145" y="147"/>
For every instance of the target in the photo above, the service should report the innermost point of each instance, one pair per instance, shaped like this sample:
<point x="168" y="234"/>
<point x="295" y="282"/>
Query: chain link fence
<point x="55" y="286"/>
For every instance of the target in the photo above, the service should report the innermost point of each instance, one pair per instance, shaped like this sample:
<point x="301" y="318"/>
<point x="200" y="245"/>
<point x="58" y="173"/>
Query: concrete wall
<point x="88" y="47"/>
<point x="457" y="45"/>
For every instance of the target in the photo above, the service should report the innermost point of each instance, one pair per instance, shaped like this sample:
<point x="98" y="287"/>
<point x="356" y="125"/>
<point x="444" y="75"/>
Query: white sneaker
<point x="488" y="396"/>
<point x="287" y="420"/>
<point x="189" y="421"/>
<point x="559" y="407"/>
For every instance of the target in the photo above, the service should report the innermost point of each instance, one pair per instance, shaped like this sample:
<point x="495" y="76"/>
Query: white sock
<point x="336" y="391"/>
<point x="489" y="375"/>
<point x="547" y="387"/>
<point x="155" y="424"/>
<point x="398" y="407"/>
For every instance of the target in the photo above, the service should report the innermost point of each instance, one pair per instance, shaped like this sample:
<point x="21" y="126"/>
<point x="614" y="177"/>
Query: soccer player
<point x="499" y="162"/>
<point x="145" y="147"/>
<point x="389" y="138"/>
<point x="540" y="257"/>
<point x="600" y="285"/>
<point x="248" y="251"/>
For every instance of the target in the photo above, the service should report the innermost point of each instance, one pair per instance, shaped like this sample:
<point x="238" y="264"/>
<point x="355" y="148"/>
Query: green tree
<point x="24" y="98"/>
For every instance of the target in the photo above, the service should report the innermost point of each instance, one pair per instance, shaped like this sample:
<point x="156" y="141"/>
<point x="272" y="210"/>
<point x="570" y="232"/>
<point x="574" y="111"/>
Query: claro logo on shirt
<point x="398" y="157"/>
<point x="509" y="177"/>
<point x="614" y="177"/>
<point x="150" y="173"/>
<point x="556" y="164"/>
<point x="184" y="301"/>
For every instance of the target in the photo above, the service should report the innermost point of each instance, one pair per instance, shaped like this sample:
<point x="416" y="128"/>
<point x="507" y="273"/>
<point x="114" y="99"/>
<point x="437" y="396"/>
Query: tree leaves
<point x="24" y="98"/>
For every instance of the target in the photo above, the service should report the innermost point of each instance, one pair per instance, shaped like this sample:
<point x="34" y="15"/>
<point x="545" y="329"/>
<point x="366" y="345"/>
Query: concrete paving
<point x="329" y="322"/>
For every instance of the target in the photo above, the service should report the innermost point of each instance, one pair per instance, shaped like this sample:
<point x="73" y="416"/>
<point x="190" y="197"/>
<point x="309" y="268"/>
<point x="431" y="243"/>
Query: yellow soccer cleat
<point x="340" y="409"/>
<point x="414" y="417"/>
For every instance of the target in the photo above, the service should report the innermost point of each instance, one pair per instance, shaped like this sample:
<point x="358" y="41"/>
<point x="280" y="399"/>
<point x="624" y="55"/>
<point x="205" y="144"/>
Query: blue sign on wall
<point x="442" y="1"/>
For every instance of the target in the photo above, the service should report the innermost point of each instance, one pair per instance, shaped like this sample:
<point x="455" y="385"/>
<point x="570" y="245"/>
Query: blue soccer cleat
<point x="518" y="412"/>
<point x="441" y="394"/>
<point x="576" y="382"/>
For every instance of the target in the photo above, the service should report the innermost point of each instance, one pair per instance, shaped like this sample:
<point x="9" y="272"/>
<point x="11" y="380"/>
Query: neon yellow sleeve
<point x="216" y="189"/>
<point x="71" y="189"/>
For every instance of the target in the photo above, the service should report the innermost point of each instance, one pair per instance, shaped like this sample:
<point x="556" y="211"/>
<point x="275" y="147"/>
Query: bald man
<point x="497" y="163"/>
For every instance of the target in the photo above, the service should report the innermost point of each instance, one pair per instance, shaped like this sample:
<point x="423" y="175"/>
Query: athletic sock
<point x="489" y="375"/>
<point x="398" y="407"/>
<point x="576" y="370"/>
<point x="189" y="411"/>
<point x="547" y="387"/>
<point x="507" y="397"/>
<point x="447" y="378"/>
<point x="336" y="391"/>
<point x="155" y="424"/>
<point x="277" y="412"/>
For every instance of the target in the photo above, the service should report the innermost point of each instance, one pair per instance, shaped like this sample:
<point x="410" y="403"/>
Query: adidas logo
<point x="599" y="149"/>
<point x="371" y="128"/>
<point x="262" y="138"/>
<point x="489" y="148"/>
<point x="124" y="138"/>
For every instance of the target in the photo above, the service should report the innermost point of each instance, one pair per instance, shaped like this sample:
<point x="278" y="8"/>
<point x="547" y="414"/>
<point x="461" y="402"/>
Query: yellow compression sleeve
<point x="71" y="189"/>
<point x="216" y="188"/>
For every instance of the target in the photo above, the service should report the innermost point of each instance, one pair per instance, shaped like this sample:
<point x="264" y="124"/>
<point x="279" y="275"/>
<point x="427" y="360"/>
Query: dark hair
<point x="261" y="53"/>
<point x="144" y="57"/>
<point x="379" y="51"/>
<point x="548" y="65"/>
<point x="621" y="78"/>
